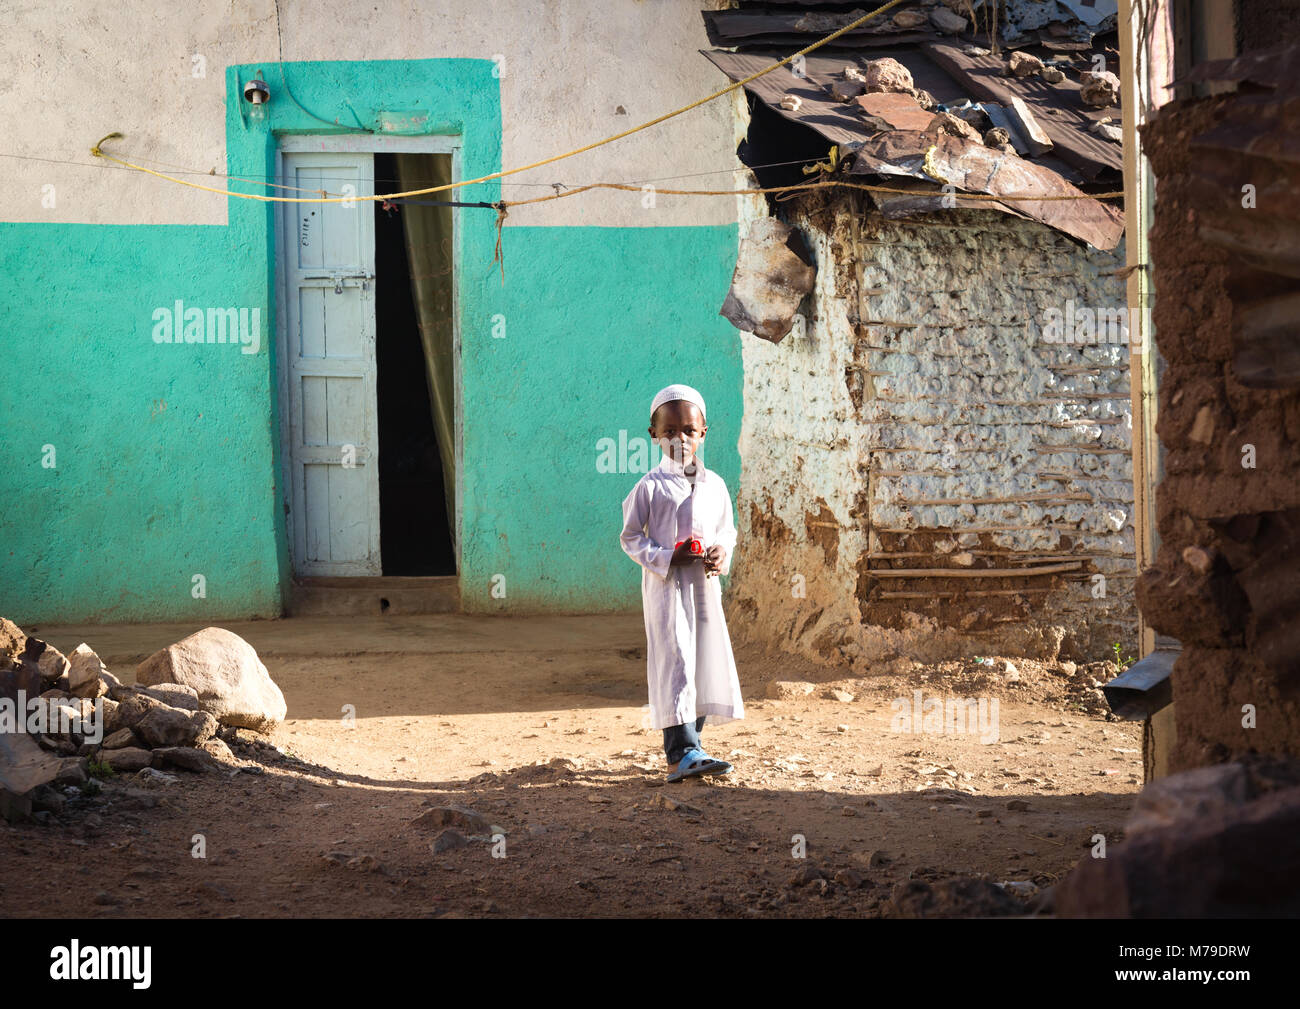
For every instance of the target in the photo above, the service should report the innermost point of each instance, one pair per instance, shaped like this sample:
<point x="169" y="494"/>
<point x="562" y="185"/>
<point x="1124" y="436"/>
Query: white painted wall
<point x="960" y="395"/>
<point x="71" y="72"/>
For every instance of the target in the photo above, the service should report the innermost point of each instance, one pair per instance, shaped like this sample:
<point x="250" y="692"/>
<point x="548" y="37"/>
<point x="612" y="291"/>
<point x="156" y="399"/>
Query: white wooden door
<point x="329" y="265"/>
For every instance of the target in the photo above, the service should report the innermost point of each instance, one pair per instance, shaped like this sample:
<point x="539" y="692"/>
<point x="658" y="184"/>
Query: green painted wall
<point x="597" y="321"/>
<point x="167" y="456"/>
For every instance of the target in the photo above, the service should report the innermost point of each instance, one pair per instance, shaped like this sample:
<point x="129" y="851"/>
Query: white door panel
<point x="330" y="326"/>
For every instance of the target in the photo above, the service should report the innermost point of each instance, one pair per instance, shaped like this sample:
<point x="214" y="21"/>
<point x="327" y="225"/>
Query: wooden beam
<point x="1046" y="569"/>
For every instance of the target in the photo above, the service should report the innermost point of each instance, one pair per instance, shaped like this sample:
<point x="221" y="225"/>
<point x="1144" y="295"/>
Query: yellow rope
<point x="642" y="188"/>
<point x="826" y="184"/>
<point x="97" y="152"/>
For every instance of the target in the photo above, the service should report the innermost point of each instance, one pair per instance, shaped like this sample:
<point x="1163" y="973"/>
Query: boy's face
<point x="678" y="428"/>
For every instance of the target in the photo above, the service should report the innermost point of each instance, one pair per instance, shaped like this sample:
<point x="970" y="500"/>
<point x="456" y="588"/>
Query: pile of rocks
<point x="190" y="700"/>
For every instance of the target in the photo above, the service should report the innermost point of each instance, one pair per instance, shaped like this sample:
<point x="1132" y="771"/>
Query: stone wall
<point x="922" y="421"/>
<point x="1226" y="578"/>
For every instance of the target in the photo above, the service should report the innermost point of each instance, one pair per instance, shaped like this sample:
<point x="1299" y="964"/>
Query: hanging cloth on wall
<point x="429" y="246"/>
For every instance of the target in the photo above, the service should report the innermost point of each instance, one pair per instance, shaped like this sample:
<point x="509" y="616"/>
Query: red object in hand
<point x="696" y="547"/>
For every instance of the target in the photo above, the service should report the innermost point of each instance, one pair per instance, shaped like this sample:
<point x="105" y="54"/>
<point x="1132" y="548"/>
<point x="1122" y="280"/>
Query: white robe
<point x="690" y="669"/>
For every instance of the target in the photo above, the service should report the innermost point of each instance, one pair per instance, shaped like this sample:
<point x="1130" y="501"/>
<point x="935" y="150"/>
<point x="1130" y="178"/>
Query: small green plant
<point x="1121" y="663"/>
<point x="99" y="769"/>
<point x="91" y="788"/>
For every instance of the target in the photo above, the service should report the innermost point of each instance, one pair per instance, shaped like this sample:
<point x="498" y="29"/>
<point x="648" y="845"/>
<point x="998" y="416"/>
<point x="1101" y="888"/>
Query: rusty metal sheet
<point x="1057" y="107"/>
<point x="974" y="168"/>
<point x="838" y="122"/>
<point x="823" y="71"/>
<point x="1052" y="22"/>
<point x="898" y="111"/>
<point x="923" y="198"/>
<point x="847" y="125"/>
<point x="742" y="27"/>
<point x="845" y="4"/>
<point x="926" y="74"/>
<point x="786" y="44"/>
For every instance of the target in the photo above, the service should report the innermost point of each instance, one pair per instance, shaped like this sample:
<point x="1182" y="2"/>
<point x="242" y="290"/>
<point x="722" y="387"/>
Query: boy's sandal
<point x="695" y="762"/>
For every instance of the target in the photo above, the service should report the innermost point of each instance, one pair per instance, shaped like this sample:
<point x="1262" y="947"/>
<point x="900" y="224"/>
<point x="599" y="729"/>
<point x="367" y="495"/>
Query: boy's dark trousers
<point x="680" y="738"/>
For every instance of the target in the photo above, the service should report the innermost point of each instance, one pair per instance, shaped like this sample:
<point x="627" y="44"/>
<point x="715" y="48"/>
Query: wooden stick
<point x="1046" y="495"/>
<point x="1005" y="553"/>
<point x="986" y="529"/>
<point x="1049" y="449"/>
<point x="1046" y="569"/>
<point x="959" y="595"/>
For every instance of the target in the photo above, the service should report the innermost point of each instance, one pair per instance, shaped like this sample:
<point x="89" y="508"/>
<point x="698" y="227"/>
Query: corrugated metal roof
<point x="1057" y="107"/>
<point x="952" y="72"/>
<point x="775" y="28"/>
<point x="1061" y="25"/>
<point x="974" y="168"/>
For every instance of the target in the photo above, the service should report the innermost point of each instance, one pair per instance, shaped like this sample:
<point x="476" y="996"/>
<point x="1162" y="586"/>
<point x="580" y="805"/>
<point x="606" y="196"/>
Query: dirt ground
<point x="536" y="723"/>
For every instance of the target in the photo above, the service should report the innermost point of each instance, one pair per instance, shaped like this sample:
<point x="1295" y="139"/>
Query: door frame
<point x="363" y="144"/>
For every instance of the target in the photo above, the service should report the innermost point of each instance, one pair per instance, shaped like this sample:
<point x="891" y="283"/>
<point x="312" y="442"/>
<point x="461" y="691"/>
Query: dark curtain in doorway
<point x="429" y="249"/>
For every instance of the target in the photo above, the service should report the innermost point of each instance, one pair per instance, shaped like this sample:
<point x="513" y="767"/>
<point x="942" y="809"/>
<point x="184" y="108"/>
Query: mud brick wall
<point x="1226" y="579"/>
<point x="919" y="422"/>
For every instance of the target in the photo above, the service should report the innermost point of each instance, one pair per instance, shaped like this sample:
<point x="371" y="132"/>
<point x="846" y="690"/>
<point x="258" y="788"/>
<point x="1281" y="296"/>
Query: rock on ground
<point x="788" y="690"/>
<point x="168" y="726"/>
<point x="120" y="739"/>
<point x="186" y="757"/>
<point x="23" y="764"/>
<point x="53" y="664"/>
<point x="218" y="749"/>
<point x="452" y="816"/>
<point x="951" y="898"/>
<point x="12" y="641"/>
<point x="176" y="694"/>
<point x="127" y="760"/>
<point x="223" y="669"/>
<point x="84" y="668"/>
<point x="449" y="839"/>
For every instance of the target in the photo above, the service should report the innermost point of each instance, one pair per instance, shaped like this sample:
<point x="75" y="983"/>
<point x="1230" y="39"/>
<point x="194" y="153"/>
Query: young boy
<point x="690" y="668"/>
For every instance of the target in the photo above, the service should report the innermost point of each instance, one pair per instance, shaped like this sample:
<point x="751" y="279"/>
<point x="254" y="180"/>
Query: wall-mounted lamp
<point x="257" y="94"/>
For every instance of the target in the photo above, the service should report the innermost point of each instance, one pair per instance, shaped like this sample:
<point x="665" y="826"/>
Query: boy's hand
<point x="682" y="555"/>
<point x="713" y="558"/>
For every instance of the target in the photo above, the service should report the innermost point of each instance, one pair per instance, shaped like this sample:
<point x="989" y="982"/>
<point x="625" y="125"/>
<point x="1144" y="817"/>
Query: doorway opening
<point x="415" y="536"/>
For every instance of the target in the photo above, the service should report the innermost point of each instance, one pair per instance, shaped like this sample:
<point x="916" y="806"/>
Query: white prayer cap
<point x="672" y="392"/>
